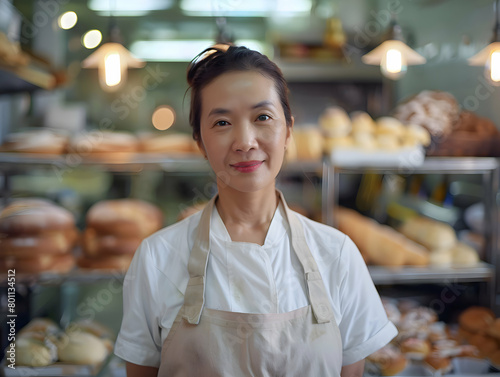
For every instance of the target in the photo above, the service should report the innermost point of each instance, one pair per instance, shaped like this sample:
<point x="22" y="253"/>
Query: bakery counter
<point x="481" y="272"/>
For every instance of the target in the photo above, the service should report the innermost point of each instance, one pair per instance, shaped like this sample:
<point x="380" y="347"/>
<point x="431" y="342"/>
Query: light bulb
<point x="492" y="68"/>
<point x="393" y="64"/>
<point x="112" y="69"/>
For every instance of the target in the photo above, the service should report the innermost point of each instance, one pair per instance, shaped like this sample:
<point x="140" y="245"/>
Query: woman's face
<point x="243" y="130"/>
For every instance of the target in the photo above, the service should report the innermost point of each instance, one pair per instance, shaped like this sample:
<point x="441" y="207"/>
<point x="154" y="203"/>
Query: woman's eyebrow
<point x="218" y="111"/>
<point x="262" y="104"/>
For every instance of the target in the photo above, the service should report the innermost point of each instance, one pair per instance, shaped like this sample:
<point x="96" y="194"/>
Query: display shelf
<point x="140" y="161"/>
<point x="482" y="272"/>
<point x="413" y="275"/>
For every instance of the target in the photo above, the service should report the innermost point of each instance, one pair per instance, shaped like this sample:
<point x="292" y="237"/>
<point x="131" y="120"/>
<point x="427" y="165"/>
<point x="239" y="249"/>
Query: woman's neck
<point x="247" y="215"/>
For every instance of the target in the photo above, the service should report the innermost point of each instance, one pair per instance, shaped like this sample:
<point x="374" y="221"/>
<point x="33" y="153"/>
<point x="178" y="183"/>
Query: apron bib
<point x="214" y="343"/>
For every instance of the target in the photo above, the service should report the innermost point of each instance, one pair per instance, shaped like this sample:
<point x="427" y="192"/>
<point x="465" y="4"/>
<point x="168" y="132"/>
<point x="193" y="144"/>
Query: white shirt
<point x="248" y="278"/>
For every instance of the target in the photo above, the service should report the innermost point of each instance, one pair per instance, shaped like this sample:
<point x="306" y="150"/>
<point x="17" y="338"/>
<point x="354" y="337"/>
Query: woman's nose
<point x="245" y="138"/>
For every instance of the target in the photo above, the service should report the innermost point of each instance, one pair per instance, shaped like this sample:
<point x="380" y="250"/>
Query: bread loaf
<point x="429" y="233"/>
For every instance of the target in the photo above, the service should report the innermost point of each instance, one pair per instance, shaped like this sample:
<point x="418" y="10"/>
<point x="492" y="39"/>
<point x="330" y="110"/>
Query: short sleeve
<point x="364" y="326"/>
<point x="139" y="339"/>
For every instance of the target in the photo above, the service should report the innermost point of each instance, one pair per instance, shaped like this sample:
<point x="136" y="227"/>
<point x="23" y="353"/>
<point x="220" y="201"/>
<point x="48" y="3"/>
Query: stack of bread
<point x="306" y="143"/>
<point x="42" y="343"/>
<point x="380" y="244"/>
<point x="441" y="241"/>
<point x="454" y="132"/>
<point x="36" y="236"/>
<point x="171" y="143"/>
<point x="361" y="132"/>
<point x="423" y="340"/>
<point x="114" y="146"/>
<point x="114" y="230"/>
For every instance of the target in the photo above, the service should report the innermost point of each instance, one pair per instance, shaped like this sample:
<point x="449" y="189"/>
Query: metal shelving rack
<point x="489" y="168"/>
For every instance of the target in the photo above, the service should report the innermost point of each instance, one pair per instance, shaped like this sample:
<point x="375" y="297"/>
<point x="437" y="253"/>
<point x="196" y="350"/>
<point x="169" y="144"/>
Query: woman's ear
<point x="289" y="130"/>
<point x="201" y="147"/>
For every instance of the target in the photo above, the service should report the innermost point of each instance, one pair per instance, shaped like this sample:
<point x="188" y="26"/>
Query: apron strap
<point x="318" y="295"/>
<point x="194" y="297"/>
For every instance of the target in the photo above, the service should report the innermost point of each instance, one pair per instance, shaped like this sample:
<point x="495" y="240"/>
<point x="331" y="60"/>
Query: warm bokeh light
<point x="163" y="117"/>
<point x="112" y="69"/>
<point x="393" y="61"/>
<point x="495" y="66"/>
<point x="67" y="20"/>
<point x="92" y="38"/>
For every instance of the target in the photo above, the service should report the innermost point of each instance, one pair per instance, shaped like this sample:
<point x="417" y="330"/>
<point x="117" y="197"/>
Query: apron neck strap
<point x="194" y="297"/>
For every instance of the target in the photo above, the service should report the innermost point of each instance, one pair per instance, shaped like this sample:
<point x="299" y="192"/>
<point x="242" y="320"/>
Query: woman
<point x="247" y="287"/>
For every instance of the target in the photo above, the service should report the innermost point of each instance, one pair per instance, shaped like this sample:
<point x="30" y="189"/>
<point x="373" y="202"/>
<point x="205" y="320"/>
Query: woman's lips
<point x="247" y="166"/>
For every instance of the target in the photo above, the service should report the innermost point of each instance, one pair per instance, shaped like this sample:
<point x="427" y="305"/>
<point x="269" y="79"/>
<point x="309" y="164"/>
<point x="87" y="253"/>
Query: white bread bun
<point x="419" y="133"/>
<point x="390" y="125"/>
<point x="335" y="122"/>
<point x="362" y="122"/>
<point x="331" y="143"/>
<point x="442" y="257"/>
<point x="388" y="141"/>
<point x="364" y="140"/>
<point x="33" y="352"/>
<point x="309" y="143"/>
<point x="79" y="347"/>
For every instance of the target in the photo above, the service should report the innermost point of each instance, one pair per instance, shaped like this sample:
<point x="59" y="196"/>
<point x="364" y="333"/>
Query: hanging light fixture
<point x="393" y="55"/>
<point x="489" y="57"/>
<point x="112" y="61"/>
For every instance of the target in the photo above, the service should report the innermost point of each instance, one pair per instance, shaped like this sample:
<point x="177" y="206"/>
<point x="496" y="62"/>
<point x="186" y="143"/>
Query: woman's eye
<point x="263" y="117"/>
<point x="222" y="123"/>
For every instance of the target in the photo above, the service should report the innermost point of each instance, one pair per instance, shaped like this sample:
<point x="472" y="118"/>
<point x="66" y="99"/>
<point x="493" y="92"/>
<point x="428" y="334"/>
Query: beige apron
<point x="304" y="342"/>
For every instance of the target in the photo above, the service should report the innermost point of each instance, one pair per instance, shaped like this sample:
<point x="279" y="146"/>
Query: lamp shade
<point x="489" y="57"/>
<point x="393" y="56"/>
<point x="112" y="61"/>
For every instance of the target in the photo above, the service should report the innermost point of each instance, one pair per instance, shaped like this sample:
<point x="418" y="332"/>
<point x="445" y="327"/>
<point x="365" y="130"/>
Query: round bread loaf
<point x="362" y="122"/>
<point x="125" y="218"/>
<point x="476" y="319"/>
<point x="54" y="242"/>
<point x="34" y="216"/>
<point x="60" y="263"/>
<point x="429" y="233"/>
<point x="33" y="352"/>
<point x="79" y="347"/>
<point x="95" y="244"/>
<point x="335" y="122"/>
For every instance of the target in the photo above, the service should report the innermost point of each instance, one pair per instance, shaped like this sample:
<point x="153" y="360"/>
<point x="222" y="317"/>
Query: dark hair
<point x="219" y="59"/>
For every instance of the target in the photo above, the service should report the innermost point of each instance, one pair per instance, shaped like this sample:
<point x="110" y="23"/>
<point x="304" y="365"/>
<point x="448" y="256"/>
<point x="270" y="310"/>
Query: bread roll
<point x="430" y="233"/>
<point x="331" y="143"/>
<point x="30" y="245"/>
<point x="335" y="122"/>
<point x="442" y="258"/>
<point x="124" y="218"/>
<point x="39" y="263"/>
<point x="106" y="262"/>
<point x="390" y="126"/>
<point x="174" y="143"/>
<point x="33" y="216"/>
<point x="81" y="348"/>
<point x="389" y="359"/>
<point x="33" y="352"/>
<point x="362" y="122"/>
<point x="43" y="141"/>
<point x="464" y="255"/>
<point x="95" y="244"/>
<point x="476" y="319"/>
<point x="309" y="143"/>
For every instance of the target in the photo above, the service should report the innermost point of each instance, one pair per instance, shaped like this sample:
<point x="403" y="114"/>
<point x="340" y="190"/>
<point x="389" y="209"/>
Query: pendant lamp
<point x="112" y="61"/>
<point x="489" y="57"/>
<point x="393" y="55"/>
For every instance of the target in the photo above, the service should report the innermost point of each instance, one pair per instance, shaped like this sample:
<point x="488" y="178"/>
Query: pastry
<point x="33" y="352"/>
<point x="364" y="140"/>
<point x="415" y="348"/>
<point x="39" y="263"/>
<point x="419" y="133"/>
<point x="434" y="110"/>
<point x="95" y="244"/>
<point x="463" y="254"/>
<point x="104" y="145"/>
<point x="106" y="262"/>
<point x="438" y="362"/>
<point x="332" y="143"/>
<point x="476" y="319"/>
<point x="390" y="126"/>
<point x="388" y="142"/>
<point x="48" y="243"/>
<point x="389" y="359"/>
<point x="441" y="257"/>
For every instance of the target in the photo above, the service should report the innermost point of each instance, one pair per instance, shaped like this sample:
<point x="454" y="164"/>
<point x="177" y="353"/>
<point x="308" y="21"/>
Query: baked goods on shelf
<point x="114" y="230"/>
<point x="36" y="236"/>
<point x="171" y="143"/>
<point x="40" y="141"/>
<point x="42" y="343"/>
<point x="116" y="146"/>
